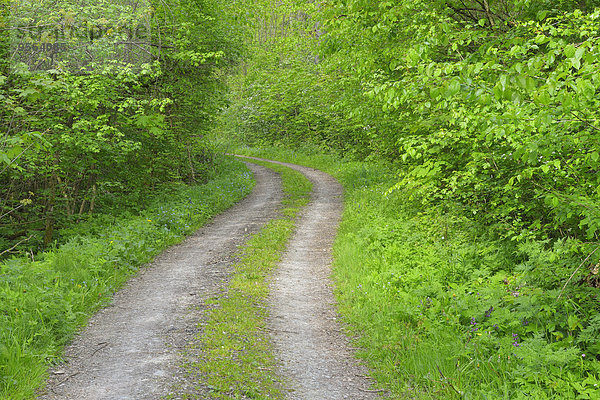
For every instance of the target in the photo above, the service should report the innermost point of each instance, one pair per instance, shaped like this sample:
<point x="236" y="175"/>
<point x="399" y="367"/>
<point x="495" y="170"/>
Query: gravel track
<point x="129" y="349"/>
<point x="316" y="357"/>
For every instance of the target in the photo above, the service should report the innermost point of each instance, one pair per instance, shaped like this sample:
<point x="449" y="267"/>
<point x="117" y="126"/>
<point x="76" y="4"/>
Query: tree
<point x="82" y="134"/>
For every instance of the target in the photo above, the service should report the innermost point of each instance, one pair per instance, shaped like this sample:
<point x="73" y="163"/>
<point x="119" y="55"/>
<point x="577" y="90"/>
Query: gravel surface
<point x="129" y="349"/>
<point x="315" y="355"/>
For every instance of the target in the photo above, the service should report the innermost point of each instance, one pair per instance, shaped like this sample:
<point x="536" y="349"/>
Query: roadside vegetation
<point x="441" y="308"/>
<point x="466" y="135"/>
<point x="232" y="355"/>
<point x="97" y="110"/>
<point x="103" y="162"/>
<point x="45" y="301"/>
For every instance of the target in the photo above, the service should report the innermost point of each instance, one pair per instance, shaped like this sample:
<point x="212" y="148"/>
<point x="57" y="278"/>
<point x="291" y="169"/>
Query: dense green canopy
<point x="100" y="103"/>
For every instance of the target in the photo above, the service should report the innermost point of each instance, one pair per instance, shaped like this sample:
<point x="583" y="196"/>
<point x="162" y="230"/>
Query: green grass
<point x="232" y="356"/>
<point x="43" y="302"/>
<point x="443" y="309"/>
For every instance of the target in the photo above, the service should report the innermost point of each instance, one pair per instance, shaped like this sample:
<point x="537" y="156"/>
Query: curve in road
<point x="316" y="357"/>
<point x="129" y="350"/>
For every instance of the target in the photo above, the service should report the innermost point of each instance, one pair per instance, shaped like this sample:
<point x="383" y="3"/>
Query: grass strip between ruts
<point x="235" y="357"/>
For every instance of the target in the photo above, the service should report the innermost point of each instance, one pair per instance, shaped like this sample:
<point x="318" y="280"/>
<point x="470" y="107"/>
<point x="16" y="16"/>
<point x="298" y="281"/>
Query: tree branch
<point x="574" y="272"/>
<point x="7" y="250"/>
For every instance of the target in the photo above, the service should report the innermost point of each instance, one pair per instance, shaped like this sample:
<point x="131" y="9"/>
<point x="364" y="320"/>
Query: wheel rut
<point x="129" y="350"/>
<point x="315" y="356"/>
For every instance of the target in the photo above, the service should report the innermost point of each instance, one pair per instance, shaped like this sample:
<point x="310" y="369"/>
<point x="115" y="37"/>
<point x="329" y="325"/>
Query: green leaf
<point x="557" y="164"/>
<point x="569" y="51"/>
<point x="541" y="15"/>
<point x="544" y="98"/>
<point x="4" y="158"/>
<point x="503" y="81"/>
<point x="453" y="88"/>
<point x="533" y="157"/>
<point x="518" y="67"/>
<point x="573" y="322"/>
<point x="567" y="99"/>
<point x="14" y="151"/>
<point x="530" y="85"/>
<point x="498" y="92"/>
<point x="555" y="201"/>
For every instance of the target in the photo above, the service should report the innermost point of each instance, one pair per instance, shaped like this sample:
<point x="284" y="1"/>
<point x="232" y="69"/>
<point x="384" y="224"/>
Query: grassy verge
<point x="446" y="311"/>
<point x="42" y="303"/>
<point x="235" y="358"/>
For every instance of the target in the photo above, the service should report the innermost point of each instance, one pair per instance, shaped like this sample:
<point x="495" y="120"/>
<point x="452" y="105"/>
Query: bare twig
<point x="446" y="380"/>
<point x="140" y="47"/>
<point x="16" y="158"/>
<point x="371" y="390"/>
<point x="23" y="152"/>
<point x="24" y="240"/>
<point x="8" y="212"/>
<point x="585" y="121"/>
<point x="67" y="378"/>
<point x="574" y="272"/>
<point x="147" y="44"/>
<point x="102" y="345"/>
<point x="26" y="28"/>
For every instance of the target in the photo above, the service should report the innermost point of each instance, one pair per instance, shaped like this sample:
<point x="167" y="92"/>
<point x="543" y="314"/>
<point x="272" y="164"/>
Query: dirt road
<point x="315" y="355"/>
<point x="129" y="350"/>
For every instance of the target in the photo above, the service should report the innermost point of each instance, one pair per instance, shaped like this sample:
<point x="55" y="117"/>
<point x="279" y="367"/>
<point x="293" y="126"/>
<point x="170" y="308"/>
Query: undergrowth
<point x="444" y="309"/>
<point x="235" y="360"/>
<point x="44" y="302"/>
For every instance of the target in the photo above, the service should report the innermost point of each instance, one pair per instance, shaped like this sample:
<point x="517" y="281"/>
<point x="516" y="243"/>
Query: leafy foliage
<point x="103" y="136"/>
<point x="488" y="105"/>
<point x="443" y="309"/>
<point x="487" y="113"/>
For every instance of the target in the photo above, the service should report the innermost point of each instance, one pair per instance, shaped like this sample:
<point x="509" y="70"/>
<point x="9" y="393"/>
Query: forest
<point x="466" y="134"/>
